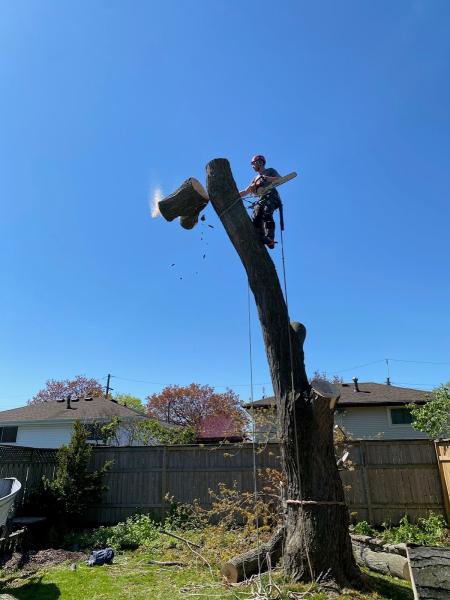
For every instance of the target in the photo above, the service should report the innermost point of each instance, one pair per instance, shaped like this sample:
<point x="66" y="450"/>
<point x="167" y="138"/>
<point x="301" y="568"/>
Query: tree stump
<point x="186" y="202"/>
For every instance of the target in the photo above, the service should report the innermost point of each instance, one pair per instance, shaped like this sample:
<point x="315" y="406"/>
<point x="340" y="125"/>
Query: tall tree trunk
<point x="317" y="540"/>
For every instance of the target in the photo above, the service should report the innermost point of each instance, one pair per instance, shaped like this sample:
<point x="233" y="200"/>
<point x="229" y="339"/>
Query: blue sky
<point x="102" y="102"/>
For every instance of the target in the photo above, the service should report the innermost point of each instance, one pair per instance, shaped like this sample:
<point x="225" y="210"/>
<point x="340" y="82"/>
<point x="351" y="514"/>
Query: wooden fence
<point x="386" y="478"/>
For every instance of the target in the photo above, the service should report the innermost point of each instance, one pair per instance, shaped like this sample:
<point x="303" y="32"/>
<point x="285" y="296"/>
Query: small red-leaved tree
<point x="79" y="387"/>
<point x="187" y="406"/>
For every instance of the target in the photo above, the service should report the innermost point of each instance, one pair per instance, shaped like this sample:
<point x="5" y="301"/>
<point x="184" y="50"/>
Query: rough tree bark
<point x="317" y="540"/>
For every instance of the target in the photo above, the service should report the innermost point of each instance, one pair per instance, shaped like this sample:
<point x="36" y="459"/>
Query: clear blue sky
<point x="103" y="101"/>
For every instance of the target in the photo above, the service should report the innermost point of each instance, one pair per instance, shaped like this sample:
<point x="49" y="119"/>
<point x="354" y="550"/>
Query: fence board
<point x="387" y="478"/>
<point x="442" y="450"/>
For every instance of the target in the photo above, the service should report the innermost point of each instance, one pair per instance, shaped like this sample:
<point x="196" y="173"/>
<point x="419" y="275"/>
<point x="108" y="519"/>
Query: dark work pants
<point x="262" y="217"/>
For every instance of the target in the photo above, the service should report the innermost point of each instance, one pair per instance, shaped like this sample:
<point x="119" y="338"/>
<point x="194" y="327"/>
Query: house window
<point x="400" y="416"/>
<point x="8" y="435"/>
<point x="94" y="432"/>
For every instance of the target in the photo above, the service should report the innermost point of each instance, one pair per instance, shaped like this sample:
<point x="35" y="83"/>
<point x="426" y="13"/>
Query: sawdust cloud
<point x="156" y="197"/>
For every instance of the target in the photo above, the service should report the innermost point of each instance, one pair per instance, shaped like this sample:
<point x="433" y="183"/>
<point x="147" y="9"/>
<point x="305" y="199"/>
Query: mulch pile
<point x="34" y="560"/>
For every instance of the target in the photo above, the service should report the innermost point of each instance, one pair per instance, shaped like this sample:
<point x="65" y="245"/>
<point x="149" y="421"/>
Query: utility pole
<point x="108" y="387"/>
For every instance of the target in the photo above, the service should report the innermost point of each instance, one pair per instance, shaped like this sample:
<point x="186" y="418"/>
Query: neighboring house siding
<point x="371" y="422"/>
<point x="54" y="436"/>
<point x="43" y="437"/>
<point x="374" y="423"/>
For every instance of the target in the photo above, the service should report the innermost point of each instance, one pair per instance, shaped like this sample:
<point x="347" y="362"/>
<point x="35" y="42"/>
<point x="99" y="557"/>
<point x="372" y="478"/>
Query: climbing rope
<point x="252" y="397"/>
<point x="297" y="453"/>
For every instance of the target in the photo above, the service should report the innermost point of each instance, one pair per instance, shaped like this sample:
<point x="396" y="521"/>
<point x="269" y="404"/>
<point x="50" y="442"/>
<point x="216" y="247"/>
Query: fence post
<point x="444" y="473"/>
<point x="363" y="448"/>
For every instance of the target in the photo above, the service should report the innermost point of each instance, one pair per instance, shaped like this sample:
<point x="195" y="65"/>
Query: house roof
<point x="93" y="409"/>
<point x="369" y="394"/>
<point x="218" y="427"/>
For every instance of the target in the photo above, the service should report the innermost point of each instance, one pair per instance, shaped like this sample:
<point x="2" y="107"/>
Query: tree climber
<point x="264" y="208"/>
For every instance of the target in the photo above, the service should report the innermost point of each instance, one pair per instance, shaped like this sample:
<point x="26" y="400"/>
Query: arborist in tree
<point x="264" y="208"/>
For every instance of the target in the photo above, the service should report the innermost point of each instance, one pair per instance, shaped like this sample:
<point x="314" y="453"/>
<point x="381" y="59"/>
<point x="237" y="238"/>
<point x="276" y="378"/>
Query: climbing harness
<point x="263" y="192"/>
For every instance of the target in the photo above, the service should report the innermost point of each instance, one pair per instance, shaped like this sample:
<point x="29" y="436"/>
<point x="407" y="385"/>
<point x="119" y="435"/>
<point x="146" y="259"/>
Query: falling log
<point x="245" y="565"/>
<point x="188" y="222"/>
<point x="186" y="202"/>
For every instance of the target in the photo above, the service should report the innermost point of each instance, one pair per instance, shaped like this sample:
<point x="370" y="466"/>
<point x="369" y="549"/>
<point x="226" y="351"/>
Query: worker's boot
<point x="269" y="234"/>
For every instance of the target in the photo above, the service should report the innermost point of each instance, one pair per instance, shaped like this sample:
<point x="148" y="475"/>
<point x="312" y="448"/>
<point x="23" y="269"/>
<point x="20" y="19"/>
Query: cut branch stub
<point x="186" y="202"/>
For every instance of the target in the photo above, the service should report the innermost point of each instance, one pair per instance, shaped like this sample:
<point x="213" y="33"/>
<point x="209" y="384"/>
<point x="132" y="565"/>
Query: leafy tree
<point x="323" y="376"/>
<point x="187" y="406"/>
<point x="79" y="387"/>
<point x="155" y="430"/>
<point x="433" y="418"/>
<point x="66" y="497"/>
<point x="144" y="432"/>
<point x="130" y="402"/>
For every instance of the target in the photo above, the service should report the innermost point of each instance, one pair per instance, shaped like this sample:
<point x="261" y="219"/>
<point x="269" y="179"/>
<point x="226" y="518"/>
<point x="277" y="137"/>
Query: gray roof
<point x="369" y="394"/>
<point x="94" y="409"/>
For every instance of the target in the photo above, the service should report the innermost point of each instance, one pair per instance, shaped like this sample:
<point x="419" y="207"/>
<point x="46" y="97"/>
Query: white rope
<point x="302" y="516"/>
<point x="255" y="482"/>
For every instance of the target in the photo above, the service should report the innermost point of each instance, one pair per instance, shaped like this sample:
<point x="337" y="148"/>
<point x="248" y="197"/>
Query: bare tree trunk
<point x="317" y="538"/>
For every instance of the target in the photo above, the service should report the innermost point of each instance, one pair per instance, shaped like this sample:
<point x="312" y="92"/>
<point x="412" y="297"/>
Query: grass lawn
<point x="131" y="578"/>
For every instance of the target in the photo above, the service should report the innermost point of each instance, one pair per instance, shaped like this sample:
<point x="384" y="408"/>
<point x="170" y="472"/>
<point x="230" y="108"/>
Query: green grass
<point x="131" y="578"/>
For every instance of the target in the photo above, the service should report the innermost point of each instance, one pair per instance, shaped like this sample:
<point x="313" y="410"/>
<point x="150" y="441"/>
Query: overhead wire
<point x="171" y="383"/>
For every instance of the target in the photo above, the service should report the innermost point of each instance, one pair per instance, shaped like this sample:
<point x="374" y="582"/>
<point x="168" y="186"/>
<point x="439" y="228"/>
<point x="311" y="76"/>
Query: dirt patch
<point x="34" y="560"/>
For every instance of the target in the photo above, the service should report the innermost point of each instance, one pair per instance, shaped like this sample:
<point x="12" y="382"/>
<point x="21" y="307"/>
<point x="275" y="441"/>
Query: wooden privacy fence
<point x="28" y="465"/>
<point x="386" y="478"/>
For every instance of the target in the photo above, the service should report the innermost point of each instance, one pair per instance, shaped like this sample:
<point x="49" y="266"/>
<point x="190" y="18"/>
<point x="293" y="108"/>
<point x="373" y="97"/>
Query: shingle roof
<point x="370" y="394"/>
<point x="218" y="427"/>
<point x="95" y="409"/>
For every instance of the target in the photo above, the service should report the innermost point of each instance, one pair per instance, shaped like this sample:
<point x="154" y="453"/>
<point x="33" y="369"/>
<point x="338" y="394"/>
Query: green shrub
<point x="363" y="528"/>
<point x="138" y="531"/>
<point x="185" y="516"/>
<point x="430" y="531"/>
<point x="65" y="498"/>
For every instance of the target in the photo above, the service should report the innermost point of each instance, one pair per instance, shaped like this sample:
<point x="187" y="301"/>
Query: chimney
<point x="388" y="381"/>
<point x="355" y="384"/>
<point x="68" y="401"/>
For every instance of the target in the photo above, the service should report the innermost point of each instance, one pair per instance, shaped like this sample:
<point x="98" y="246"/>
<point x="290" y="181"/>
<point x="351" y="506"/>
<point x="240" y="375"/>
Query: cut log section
<point x="245" y="565"/>
<point x="430" y="572"/>
<point x="186" y="202"/>
<point x="394" y="565"/>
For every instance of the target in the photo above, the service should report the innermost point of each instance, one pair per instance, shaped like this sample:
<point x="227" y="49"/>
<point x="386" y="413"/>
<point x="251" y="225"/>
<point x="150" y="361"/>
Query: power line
<point x="171" y="383"/>
<point x="374" y="362"/>
<point x="419" y="362"/>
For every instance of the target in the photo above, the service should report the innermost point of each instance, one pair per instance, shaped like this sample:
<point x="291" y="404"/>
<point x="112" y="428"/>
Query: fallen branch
<point x="178" y="537"/>
<point x="190" y="546"/>
<point x="166" y="563"/>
